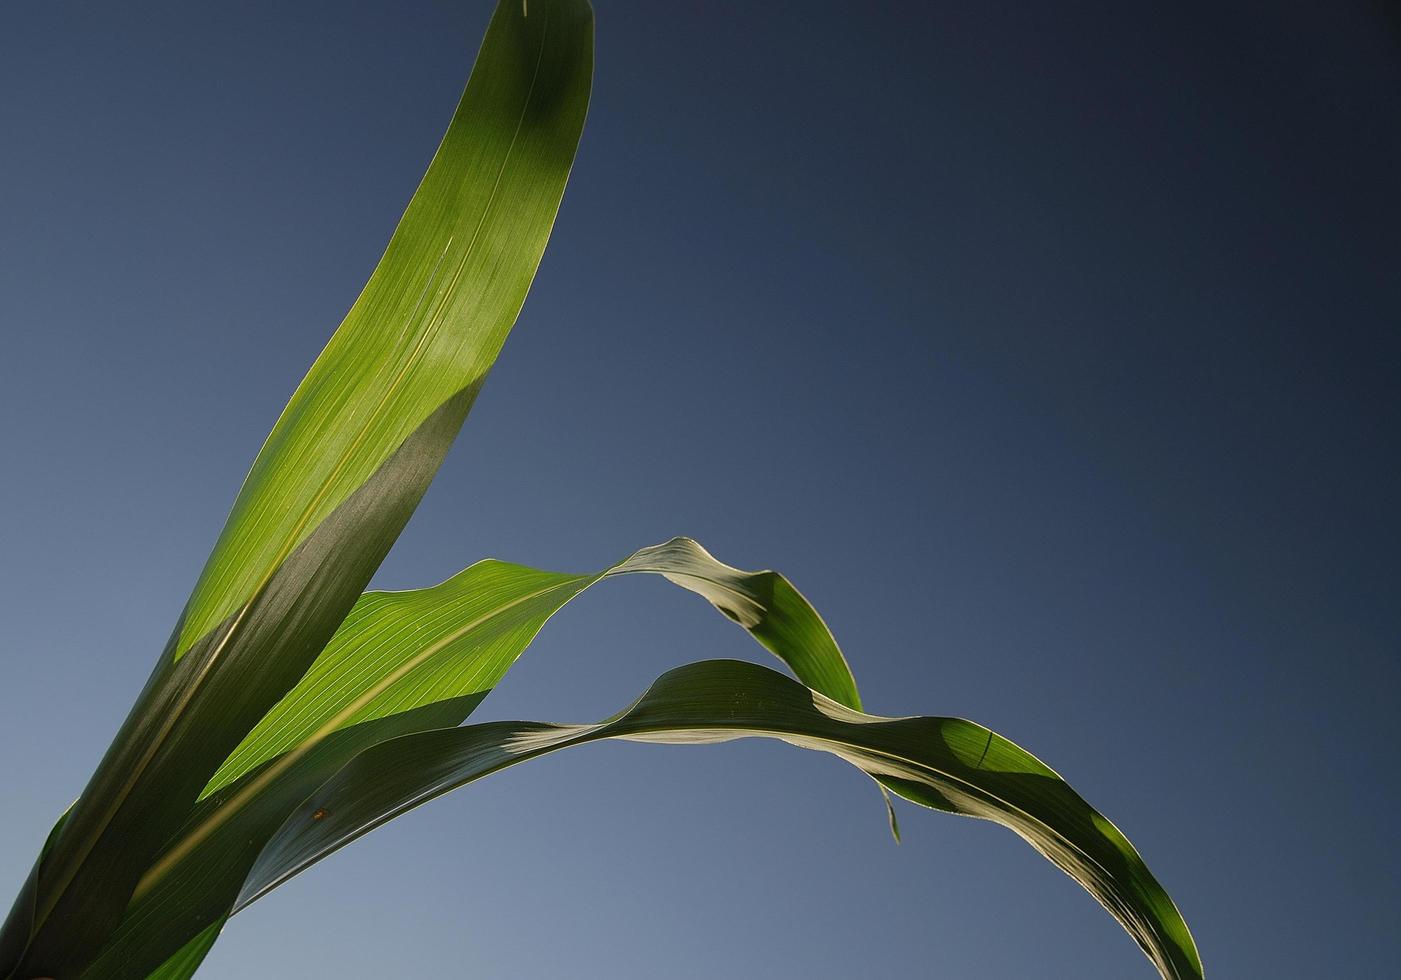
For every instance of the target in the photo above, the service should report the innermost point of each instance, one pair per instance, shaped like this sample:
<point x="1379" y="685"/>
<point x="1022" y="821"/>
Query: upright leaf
<point x="338" y="477"/>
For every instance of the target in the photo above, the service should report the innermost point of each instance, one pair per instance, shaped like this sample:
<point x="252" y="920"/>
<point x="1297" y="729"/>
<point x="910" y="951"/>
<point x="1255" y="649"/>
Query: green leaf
<point x="338" y="477"/>
<point x="256" y="748"/>
<point x="12" y="942"/>
<point x="184" y="963"/>
<point x="944" y="763"/>
<point x="401" y="650"/>
<point x="405" y="662"/>
<point x="200" y="891"/>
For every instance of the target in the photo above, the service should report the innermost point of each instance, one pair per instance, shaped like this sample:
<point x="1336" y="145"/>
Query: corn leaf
<point x="413" y="661"/>
<point x="191" y="895"/>
<point x="401" y="650"/>
<point x="184" y="963"/>
<point x="409" y="664"/>
<point x="338" y="477"/>
<point x="944" y="763"/>
<point x="289" y="714"/>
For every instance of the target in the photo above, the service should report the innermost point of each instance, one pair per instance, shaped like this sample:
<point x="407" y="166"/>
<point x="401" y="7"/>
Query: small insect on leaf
<point x="320" y="814"/>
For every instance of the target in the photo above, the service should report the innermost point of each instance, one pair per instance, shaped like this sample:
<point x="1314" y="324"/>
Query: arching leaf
<point x="944" y="763"/>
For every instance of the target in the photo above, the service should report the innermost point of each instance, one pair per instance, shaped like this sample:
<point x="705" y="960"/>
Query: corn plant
<point x="292" y="712"/>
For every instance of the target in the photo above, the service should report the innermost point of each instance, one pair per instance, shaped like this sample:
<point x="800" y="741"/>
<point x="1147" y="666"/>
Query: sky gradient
<point x="1051" y="350"/>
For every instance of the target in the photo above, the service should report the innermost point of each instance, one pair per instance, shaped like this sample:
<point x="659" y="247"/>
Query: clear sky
<point x="1051" y="349"/>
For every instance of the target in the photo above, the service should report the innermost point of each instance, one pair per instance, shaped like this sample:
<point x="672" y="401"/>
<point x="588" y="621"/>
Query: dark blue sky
<point x="1051" y="349"/>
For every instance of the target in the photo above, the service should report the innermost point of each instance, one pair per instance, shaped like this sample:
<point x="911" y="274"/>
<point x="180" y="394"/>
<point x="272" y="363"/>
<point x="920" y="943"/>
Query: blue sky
<point x="1051" y="350"/>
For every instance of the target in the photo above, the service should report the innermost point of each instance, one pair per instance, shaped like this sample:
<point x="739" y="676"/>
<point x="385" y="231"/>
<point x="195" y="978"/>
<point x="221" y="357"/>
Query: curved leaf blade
<point x="405" y="662"/>
<point x="944" y="763"/>
<point x="401" y="650"/>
